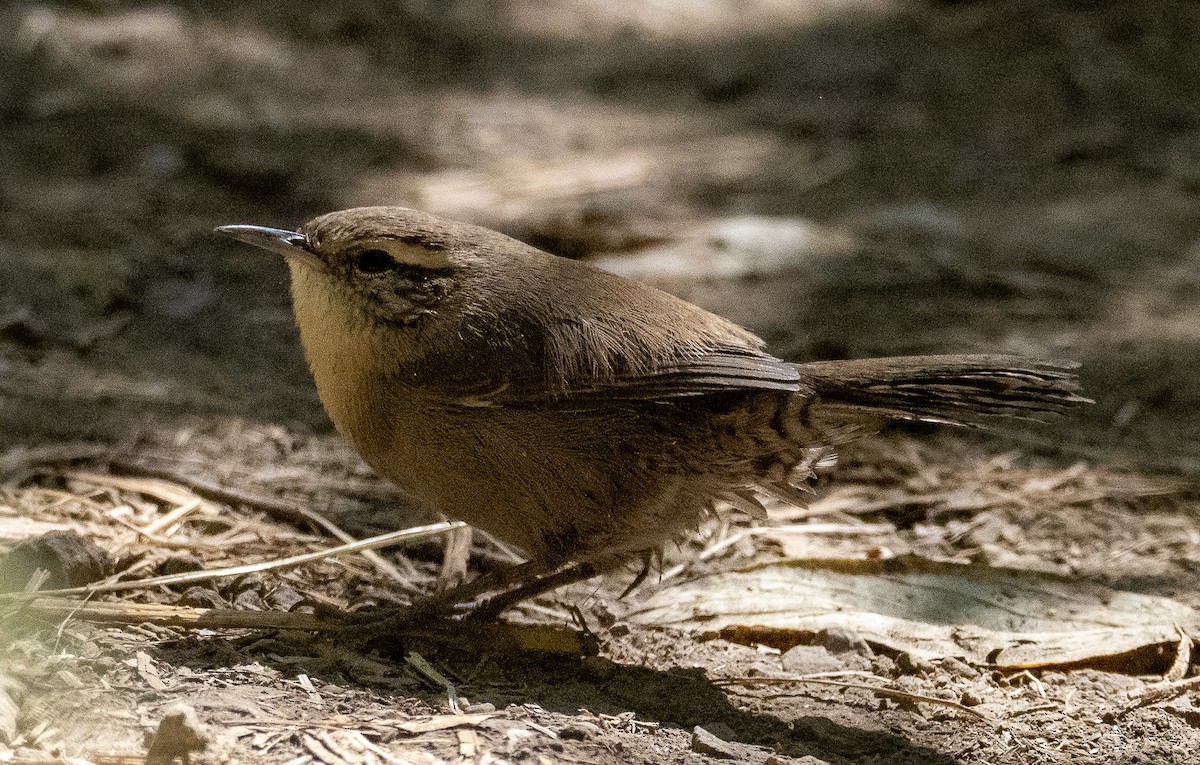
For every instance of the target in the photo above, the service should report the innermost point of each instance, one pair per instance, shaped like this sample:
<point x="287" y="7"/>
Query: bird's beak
<point x="290" y="244"/>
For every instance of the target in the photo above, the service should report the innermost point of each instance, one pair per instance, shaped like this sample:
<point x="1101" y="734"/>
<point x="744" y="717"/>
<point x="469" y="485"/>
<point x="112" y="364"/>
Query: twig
<point x="1160" y="692"/>
<point x="483" y="636"/>
<point x="165" y="491"/>
<point x="188" y="577"/>
<point x="276" y="508"/>
<point x="1183" y="657"/>
<point x="173" y="517"/>
<point x="163" y="541"/>
<point x="179" y="616"/>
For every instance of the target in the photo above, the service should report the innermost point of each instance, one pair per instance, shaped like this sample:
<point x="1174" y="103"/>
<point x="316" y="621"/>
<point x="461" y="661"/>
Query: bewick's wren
<point x="574" y="413"/>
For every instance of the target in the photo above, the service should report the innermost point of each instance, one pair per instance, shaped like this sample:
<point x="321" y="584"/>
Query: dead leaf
<point x="443" y="722"/>
<point x="1005" y="618"/>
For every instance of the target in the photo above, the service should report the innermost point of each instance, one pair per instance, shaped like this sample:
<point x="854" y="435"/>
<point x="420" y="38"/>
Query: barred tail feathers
<point x="965" y="390"/>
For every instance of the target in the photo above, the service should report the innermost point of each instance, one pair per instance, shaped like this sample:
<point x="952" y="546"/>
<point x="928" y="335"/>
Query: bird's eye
<point x="374" y="261"/>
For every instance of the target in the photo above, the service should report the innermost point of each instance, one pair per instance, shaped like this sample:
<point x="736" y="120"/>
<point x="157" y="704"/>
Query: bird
<point x="583" y="417"/>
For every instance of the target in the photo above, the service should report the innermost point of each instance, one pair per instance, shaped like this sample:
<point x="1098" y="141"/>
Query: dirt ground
<point x="846" y="177"/>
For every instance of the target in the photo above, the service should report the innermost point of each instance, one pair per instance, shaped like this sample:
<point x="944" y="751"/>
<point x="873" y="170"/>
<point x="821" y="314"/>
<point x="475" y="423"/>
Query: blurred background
<point x="845" y="177"/>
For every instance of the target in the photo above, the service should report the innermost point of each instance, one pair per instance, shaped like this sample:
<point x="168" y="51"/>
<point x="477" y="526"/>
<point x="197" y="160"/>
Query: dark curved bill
<point x="290" y="244"/>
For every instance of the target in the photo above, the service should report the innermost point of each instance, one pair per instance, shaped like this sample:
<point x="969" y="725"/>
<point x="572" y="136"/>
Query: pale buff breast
<point x="346" y="360"/>
<point x="391" y="427"/>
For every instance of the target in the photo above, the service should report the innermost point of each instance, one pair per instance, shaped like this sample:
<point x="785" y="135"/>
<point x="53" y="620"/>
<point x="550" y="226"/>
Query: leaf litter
<point x="912" y="613"/>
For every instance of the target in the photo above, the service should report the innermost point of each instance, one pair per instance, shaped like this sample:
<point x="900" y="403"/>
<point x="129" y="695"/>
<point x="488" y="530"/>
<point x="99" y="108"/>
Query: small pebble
<point x="180" y="564"/>
<point x="202" y="597"/>
<point x="838" y="640"/>
<point x="970" y="698"/>
<point x="720" y="730"/>
<point x="254" y="581"/>
<point x="704" y="742"/>
<point x="581" y="730"/>
<point x="249" y="600"/>
<point x="810" y="658"/>
<point x="913" y="665"/>
<point x="284" y="598"/>
<point x="883" y="666"/>
<point x="959" y="668"/>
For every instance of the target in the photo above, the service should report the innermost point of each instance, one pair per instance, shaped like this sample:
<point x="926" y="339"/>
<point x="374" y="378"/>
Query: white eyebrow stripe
<point x="404" y="252"/>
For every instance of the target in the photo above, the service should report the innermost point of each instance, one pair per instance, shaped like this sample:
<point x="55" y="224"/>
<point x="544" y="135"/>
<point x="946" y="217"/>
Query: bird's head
<point x="393" y="264"/>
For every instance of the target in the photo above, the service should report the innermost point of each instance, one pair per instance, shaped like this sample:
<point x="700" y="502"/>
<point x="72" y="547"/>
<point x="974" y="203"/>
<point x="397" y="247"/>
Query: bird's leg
<point x="515" y="584"/>
<point x="648" y="559"/>
<point x="564" y="575"/>
<point x="501" y="580"/>
<point x="383" y="623"/>
<point x="534" y="586"/>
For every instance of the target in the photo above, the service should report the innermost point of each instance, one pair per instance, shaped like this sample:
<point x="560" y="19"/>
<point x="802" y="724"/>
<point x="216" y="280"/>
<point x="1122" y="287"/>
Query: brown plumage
<point x="577" y="414"/>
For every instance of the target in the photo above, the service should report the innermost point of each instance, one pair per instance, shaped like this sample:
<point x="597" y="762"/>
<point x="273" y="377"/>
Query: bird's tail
<point x="965" y="390"/>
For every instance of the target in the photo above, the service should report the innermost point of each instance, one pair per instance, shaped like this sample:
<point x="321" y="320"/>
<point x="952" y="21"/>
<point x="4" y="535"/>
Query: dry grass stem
<point x="276" y="508"/>
<point x="190" y="577"/>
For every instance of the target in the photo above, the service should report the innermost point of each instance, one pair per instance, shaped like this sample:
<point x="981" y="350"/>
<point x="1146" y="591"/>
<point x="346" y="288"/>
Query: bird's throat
<point x="346" y="354"/>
